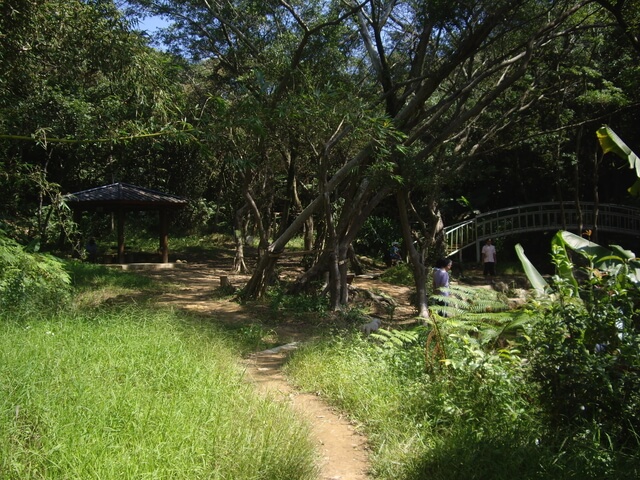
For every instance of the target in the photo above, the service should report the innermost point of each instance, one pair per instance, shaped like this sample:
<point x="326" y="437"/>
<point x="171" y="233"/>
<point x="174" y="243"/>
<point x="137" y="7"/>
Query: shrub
<point x="301" y="303"/>
<point x="400" y="274"/>
<point x="587" y="363"/>
<point x="30" y="279"/>
<point x="586" y="354"/>
<point x="376" y="236"/>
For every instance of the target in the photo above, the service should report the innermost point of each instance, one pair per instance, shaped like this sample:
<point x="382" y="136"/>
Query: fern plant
<point x="468" y="319"/>
<point x="30" y="279"/>
<point x="476" y="317"/>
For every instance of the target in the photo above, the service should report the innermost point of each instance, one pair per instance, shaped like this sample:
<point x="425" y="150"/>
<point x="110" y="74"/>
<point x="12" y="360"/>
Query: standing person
<point x="441" y="277"/>
<point x="393" y="256"/>
<point x="92" y="250"/>
<point x="489" y="258"/>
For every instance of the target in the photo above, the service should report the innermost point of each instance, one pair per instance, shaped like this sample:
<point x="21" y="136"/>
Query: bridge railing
<point x="541" y="216"/>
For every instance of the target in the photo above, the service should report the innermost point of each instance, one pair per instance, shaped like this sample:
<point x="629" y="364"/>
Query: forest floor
<point x="341" y="445"/>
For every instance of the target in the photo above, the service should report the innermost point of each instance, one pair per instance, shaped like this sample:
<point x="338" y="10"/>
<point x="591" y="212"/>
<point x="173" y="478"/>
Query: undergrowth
<point x="409" y="415"/>
<point x="453" y="399"/>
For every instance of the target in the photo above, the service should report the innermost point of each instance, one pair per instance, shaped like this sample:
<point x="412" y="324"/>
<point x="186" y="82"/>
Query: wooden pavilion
<point x="120" y="198"/>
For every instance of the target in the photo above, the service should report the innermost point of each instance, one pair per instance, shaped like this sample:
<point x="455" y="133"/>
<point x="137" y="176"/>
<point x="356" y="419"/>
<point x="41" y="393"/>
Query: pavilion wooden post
<point x="121" y="235"/>
<point x="164" y="236"/>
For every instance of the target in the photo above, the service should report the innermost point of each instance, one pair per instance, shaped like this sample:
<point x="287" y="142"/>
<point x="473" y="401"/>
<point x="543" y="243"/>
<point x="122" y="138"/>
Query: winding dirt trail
<point x="342" y="449"/>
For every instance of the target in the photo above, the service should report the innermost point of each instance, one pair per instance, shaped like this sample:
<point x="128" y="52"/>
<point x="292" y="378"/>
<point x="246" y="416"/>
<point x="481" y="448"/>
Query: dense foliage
<point x="585" y="349"/>
<point x="284" y="118"/>
<point x="29" y="280"/>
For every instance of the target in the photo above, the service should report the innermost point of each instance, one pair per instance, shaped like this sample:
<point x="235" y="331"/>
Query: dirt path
<point x="342" y="449"/>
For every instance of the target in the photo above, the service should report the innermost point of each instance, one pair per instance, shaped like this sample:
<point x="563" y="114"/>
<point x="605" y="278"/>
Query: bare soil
<point x="342" y="447"/>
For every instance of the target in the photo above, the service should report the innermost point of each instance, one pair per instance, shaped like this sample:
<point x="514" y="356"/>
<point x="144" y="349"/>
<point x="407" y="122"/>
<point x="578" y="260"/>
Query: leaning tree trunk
<point x="351" y="222"/>
<point x="419" y="270"/>
<point x="257" y="284"/>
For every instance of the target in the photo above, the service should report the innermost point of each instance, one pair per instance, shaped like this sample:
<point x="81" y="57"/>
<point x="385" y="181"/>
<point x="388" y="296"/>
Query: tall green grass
<point x="136" y="394"/>
<point x="473" y="420"/>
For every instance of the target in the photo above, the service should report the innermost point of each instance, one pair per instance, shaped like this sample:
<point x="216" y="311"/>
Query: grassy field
<point x="129" y="392"/>
<point x="107" y="386"/>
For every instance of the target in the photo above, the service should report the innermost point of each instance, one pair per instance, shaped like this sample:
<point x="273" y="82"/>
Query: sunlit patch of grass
<point x="136" y="394"/>
<point x="86" y="276"/>
<point x="96" y="285"/>
<point x="296" y="243"/>
<point x="400" y="274"/>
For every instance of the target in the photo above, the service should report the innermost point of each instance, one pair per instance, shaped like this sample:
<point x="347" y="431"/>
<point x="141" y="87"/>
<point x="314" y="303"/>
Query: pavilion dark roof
<point x="123" y="195"/>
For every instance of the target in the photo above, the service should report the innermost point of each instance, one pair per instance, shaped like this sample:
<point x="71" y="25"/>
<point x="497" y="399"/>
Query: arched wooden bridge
<point x="540" y="217"/>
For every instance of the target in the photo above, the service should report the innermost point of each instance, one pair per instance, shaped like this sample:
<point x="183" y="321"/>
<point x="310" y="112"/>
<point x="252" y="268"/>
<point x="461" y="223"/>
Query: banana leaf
<point x="604" y="258"/>
<point x="610" y="142"/>
<point x="622" y="252"/>
<point x="585" y="247"/>
<point x="564" y="265"/>
<point x="537" y="282"/>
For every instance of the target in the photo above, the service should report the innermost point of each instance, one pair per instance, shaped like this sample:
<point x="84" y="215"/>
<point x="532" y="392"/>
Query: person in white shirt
<point x="489" y="258"/>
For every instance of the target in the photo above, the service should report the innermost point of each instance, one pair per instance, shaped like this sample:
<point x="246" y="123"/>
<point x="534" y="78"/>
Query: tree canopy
<point x="312" y="117"/>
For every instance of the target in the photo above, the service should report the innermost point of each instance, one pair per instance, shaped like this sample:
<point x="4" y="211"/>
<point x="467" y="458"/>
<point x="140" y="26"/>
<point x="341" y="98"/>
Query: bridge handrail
<point x="568" y="205"/>
<point x="539" y="216"/>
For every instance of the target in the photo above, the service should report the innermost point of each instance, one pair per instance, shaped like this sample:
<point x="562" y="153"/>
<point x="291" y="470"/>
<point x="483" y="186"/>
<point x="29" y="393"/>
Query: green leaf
<point x="622" y="252"/>
<point x="584" y="247"/>
<point x="537" y="282"/>
<point x="635" y="189"/>
<point x="564" y="266"/>
<point x="634" y="271"/>
<point x="599" y="256"/>
<point x="604" y="258"/>
<point x="610" y="142"/>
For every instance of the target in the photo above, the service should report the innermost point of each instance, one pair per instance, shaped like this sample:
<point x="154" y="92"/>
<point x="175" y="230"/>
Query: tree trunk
<point x="239" y="233"/>
<point x="255" y="288"/>
<point x="354" y="261"/>
<point x="597" y="160"/>
<point x="257" y="285"/>
<point x="350" y="223"/>
<point x="316" y="271"/>
<point x="334" y="282"/>
<point x="433" y="245"/>
<point x="343" y="268"/>
<point x="334" y="259"/>
<point x="419" y="270"/>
